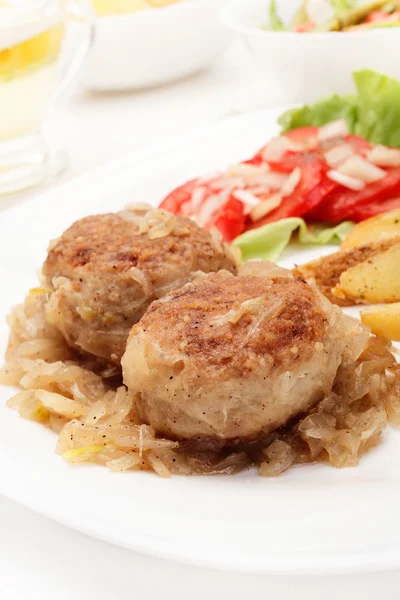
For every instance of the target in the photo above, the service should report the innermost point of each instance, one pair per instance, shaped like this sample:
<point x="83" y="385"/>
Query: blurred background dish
<point x="121" y="7"/>
<point x="316" y="16"/>
<point x="308" y="66"/>
<point x="142" y="43"/>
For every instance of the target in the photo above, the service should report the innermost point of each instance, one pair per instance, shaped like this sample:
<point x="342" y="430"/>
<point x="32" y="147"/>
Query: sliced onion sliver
<point x="210" y="206"/>
<point x="224" y="182"/>
<point x="335" y="129"/>
<point x="143" y="279"/>
<point x="246" y="170"/>
<point x="337" y="155"/>
<point x="359" y="168"/>
<point x="197" y="198"/>
<point x="208" y="178"/>
<point x="247" y="198"/>
<point x="320" y="11"/>
<point x="277" y="147"/>
<point x="275" y="180"/>
<point x="291" y="182"/>
<point x="265" y="207"/>
<point x="346" y="181"/>
<point x="384" y="156"/>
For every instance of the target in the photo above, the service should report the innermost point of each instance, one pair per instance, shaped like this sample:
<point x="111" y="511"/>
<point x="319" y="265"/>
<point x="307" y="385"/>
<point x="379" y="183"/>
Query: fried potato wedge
<point x="372" y="281"/>
<point x="326" y="272"/>
<point x="381" y="227"/>
<point x="383" y="320"/>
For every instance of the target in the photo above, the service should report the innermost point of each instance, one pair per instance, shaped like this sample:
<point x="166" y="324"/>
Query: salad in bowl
<point x="349" y="36"/>
<point x="316" y="16"/>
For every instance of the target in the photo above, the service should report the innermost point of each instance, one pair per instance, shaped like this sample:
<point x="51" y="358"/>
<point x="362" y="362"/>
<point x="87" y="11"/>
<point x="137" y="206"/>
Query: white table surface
<point x="41" y="559"/>
<point x="95" y="128"/>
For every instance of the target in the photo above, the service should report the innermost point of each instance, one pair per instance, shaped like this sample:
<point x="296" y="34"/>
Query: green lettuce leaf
<point x="342" y="6"/>
<point x="269" y="241"/>
<point x="301" y="15"/>
<point x="390" y="7"/>
<point x="275" y="22"/>
<point x="372" y="113"/>
<point x="324" y="111"/>
<point x="379" y="108"/>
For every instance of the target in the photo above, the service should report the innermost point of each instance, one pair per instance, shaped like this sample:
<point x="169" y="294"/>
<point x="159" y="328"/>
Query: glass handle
<point x="82" y="14"/>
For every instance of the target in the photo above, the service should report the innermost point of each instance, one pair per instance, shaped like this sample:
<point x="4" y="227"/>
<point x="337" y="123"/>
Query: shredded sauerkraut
<point x="94" y="417"/>
<point x="348" y="421"/>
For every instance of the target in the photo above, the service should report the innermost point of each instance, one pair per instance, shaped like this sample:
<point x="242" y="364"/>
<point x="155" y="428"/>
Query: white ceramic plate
<point x="313" y="519"/>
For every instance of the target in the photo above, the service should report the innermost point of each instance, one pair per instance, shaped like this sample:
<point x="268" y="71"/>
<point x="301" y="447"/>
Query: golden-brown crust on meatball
<point x="106" y="270"/>
<point x="111" y="243"/>
<point x="227" y="360"/>
<point x="294" y="319"/>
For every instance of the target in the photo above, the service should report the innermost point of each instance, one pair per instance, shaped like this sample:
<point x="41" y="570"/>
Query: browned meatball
<point x="226" y="360"/>
<point x="105" y="270"/>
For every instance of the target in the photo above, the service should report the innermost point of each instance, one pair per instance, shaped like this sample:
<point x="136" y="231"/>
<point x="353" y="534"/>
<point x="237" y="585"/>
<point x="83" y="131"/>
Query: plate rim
<point x="371" y="563"/>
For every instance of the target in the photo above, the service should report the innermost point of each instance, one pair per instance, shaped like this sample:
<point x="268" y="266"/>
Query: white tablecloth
<point x="42" y="560"/>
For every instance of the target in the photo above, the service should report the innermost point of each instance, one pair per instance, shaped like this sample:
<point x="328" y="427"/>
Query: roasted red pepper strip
<point x="178" y="197"/>
<point x="359" y="145"/>
<point x="309" y="193"/>
<point x="315" y="196"/>
<point x="290" y="160"/>
<point x="229" y="220"/>
<point x="342" y="203"/>
<point x="371" y="210"/>
<point x="301" y="134"/>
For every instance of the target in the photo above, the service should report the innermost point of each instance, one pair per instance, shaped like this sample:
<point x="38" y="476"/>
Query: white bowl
<point x="304" y="67"/>
<point x="155" y="46"/>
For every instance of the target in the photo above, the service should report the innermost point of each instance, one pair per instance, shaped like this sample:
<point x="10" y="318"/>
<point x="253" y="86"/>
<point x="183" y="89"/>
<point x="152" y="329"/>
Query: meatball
<point x="226" y="360"/>
<point x="105" y="270"/>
